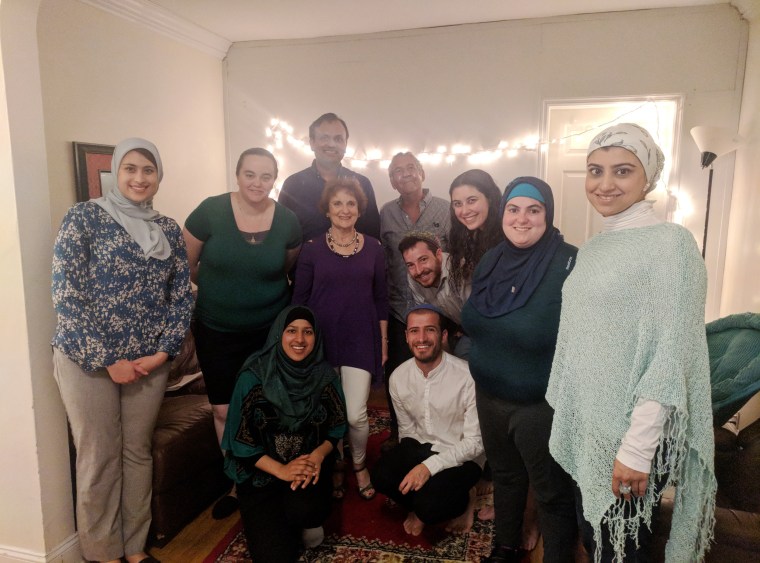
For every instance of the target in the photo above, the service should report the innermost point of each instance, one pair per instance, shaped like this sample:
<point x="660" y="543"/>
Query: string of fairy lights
<point x="280" y="132"/>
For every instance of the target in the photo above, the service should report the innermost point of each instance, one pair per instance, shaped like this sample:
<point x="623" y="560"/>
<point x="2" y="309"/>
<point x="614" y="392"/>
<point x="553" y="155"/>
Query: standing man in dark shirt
<point x="300" y="193"/>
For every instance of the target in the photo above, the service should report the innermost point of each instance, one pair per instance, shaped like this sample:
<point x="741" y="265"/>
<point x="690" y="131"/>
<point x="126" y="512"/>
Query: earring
<point x="646" y="186"/>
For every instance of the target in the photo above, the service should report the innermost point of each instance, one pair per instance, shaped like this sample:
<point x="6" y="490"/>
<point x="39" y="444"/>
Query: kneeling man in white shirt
<point x="439" y="458"/>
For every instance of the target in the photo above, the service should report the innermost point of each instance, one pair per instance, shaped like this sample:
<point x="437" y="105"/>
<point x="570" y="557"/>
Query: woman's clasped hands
<point x="126" y="371"/>
<point x="302" y="471"/>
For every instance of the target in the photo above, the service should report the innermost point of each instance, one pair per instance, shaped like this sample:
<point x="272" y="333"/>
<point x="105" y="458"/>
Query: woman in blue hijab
<point x="512" y="318"/>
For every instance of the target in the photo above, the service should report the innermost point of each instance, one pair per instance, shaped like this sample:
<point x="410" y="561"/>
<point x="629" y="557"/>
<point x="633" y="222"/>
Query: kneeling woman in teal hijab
<point x="286" y="415"/>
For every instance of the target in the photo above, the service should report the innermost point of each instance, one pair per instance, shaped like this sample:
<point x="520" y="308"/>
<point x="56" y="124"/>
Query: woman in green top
<point x="241" y="246"/>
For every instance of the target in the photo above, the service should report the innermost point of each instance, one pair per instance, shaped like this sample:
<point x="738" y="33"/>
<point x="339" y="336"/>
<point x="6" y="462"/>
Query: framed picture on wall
<point x="92" y="170"/>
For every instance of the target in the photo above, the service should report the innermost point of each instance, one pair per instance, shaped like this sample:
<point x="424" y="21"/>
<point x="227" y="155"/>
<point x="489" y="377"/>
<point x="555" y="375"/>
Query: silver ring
<point x="625" y="489"/>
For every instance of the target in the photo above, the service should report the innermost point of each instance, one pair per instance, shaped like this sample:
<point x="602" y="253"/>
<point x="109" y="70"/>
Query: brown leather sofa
<point x="737" y="514"/>
<point x="187" y="463"/>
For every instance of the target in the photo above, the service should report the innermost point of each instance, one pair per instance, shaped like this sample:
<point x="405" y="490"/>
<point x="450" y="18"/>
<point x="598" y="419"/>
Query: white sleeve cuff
<point x="434" y="465"/>
<point x="640" y="442"/>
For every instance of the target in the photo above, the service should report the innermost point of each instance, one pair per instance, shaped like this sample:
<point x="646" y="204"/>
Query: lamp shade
<point x="713" y="142"/>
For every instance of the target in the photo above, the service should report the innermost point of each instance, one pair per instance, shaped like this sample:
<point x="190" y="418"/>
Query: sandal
<point x="367" y="492"/>
<point x="338" y="479"/>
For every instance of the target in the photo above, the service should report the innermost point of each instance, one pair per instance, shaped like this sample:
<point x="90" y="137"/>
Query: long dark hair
<point x="467" y="247"/>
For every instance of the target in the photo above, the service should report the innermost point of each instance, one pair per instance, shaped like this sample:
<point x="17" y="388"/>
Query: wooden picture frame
<point x="92" y="170"/>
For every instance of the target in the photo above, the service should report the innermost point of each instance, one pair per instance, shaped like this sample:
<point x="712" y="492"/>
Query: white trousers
<point x="356" y="383"/>
<point x="112" y="427"/>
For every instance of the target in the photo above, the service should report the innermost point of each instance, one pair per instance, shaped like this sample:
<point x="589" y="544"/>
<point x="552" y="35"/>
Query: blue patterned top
<point x="112" y="302"/>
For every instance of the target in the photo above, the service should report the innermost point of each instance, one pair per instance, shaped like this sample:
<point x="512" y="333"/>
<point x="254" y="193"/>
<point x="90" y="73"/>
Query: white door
<point x="569" y="127"/>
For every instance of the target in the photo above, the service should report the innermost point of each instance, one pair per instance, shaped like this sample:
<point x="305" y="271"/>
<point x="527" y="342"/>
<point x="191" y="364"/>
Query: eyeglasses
<point x="410" y="168"/>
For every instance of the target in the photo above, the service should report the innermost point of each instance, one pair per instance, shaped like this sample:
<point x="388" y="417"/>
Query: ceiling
<point x="246" y="20"/>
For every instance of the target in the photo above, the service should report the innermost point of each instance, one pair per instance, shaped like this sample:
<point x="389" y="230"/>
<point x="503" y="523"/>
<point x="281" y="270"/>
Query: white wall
<point x="105" y="79"/>
<point x="477" y="84"/>
<point x="24" y="234"/>
<point x="71" y="72"/>
<point x="741" y="289"/>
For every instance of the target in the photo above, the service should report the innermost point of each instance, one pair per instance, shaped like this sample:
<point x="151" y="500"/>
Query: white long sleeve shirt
<point x="440" y="410"/>
<point x="640" y="442"/>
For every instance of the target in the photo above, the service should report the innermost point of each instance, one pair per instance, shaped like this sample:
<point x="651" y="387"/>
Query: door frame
<point x="673" y="187"/>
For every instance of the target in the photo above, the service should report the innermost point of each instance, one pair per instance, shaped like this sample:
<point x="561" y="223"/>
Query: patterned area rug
<point x="360" y="530"/>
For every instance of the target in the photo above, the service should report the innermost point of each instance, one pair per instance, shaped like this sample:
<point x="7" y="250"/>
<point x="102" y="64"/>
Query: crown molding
<point x="749" y="9"/>
<point x="160" y="20"/>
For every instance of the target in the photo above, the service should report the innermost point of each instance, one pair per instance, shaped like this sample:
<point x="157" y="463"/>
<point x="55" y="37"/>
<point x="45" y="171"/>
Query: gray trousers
<point x="112" y="427"/>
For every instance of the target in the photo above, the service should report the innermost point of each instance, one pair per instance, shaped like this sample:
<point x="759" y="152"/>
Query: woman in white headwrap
<point x="121" y="290"/>
<point x="630" y="380"/>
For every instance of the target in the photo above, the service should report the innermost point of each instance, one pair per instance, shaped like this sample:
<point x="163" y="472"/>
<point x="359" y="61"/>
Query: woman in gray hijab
<point x="121" y="290"/>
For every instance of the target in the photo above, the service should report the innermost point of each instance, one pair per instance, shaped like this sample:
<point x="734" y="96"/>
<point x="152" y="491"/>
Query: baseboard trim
<point x="66" y="552"/>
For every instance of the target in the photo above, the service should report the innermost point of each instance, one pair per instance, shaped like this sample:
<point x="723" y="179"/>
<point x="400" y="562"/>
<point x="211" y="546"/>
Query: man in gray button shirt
<point x="428" y="279"/>
<point x="414" y="210"/>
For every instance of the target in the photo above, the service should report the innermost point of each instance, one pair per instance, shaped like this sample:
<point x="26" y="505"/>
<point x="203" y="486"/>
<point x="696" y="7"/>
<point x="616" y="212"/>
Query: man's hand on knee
<point x="415" y="479"/>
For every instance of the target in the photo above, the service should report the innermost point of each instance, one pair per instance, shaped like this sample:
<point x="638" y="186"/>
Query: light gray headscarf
<point x="137" y="218"/>
<point x="637" y="140"/>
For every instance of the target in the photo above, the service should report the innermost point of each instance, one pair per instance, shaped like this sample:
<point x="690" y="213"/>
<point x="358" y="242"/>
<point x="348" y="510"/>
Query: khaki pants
<point x="112" y="427"/>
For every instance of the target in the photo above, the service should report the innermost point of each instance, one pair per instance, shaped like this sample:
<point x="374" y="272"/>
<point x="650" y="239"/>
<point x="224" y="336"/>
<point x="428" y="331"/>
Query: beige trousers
<point x="112" y="427"/>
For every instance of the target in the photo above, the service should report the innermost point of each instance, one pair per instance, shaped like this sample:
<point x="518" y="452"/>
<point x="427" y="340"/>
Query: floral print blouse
<point x="112" y="302"/>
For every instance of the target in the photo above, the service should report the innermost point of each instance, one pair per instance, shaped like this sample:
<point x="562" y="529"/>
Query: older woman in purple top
<point x="341" y="277"/>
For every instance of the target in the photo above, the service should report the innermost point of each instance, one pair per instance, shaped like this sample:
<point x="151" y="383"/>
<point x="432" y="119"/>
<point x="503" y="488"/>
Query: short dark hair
<point x="442" y="319"/>
<point x="348" y="183"/>
<point x="326" y="118"/>
<point x="257" y="151"/>
<point x="411" y="239"/>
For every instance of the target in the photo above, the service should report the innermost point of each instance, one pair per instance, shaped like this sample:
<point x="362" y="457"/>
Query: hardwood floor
<point x="196" y="541"/>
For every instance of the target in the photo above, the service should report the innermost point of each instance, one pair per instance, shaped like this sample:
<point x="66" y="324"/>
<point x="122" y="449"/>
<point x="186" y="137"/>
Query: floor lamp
<point x="713" y="142"/>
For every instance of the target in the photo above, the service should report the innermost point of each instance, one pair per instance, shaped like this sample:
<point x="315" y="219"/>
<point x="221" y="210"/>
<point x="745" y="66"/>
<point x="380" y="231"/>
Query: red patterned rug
<point x="360" y="530"/>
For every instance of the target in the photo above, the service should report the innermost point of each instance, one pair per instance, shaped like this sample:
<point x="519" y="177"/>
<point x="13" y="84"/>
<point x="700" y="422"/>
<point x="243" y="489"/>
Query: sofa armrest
<point x="195" y="387"/>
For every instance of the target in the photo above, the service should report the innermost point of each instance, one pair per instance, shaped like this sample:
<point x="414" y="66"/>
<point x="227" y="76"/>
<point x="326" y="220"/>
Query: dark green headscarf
<point x="293" y="388"/>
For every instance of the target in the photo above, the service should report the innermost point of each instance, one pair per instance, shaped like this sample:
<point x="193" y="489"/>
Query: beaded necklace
<point x="332" y="243"/>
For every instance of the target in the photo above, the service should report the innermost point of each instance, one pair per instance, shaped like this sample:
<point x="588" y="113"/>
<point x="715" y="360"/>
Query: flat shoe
<point x="338" y="492"/>
<point x="224" y="507"/>
<point x="503" y="554"/>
